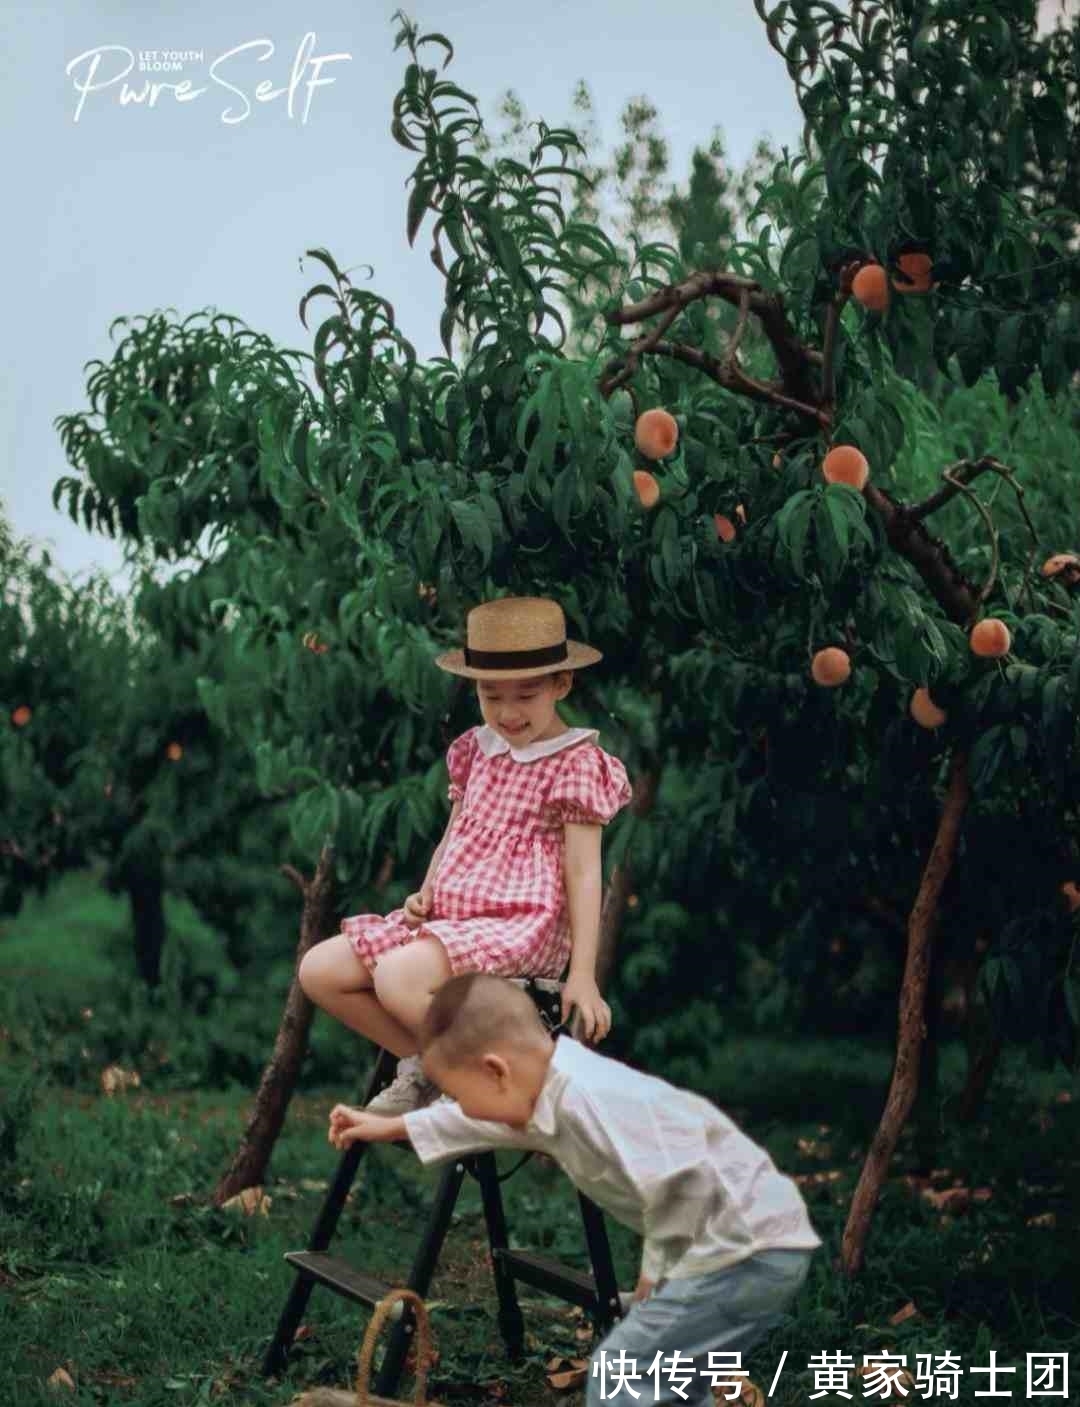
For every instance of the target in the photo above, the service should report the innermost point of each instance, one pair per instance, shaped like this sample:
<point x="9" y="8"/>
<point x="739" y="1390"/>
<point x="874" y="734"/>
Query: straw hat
<point x="514" y="638"/>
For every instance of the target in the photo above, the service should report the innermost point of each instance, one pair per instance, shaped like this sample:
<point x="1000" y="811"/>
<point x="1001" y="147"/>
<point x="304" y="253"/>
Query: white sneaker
<point x="410" y="1089"/>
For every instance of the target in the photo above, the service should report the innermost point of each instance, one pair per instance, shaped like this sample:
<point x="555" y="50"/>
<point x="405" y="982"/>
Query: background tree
<point x="366" y="509"/>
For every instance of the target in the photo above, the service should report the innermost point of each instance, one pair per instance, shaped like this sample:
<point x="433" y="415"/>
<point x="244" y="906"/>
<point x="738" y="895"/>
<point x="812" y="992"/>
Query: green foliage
<point x="362" y="508"/>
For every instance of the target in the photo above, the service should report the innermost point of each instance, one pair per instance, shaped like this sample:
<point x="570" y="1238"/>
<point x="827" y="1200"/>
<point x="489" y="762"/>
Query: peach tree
<point x="768" y="609"/>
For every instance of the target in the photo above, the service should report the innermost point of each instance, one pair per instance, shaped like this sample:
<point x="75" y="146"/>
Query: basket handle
<point x="367" y="1348"/>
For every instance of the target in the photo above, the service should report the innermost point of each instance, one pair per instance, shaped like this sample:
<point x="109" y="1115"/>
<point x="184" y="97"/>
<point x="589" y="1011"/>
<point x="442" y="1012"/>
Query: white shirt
<point x="665" y="1162"/>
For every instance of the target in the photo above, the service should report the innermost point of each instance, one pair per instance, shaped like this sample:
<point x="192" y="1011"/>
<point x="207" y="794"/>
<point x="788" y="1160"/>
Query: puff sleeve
<point x="459" y="760"/>
<point x="590" y="788"/>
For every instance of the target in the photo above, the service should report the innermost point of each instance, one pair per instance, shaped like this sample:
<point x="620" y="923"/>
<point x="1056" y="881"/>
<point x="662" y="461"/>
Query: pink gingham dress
<point x="499" y="899"/>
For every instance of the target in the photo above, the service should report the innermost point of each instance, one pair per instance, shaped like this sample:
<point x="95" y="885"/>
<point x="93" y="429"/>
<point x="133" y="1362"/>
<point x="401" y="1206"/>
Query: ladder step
<point x="340" y="1276"/>
<point x="575" y="1286"/>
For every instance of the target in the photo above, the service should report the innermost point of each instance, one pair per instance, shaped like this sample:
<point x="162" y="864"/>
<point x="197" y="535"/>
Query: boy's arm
<point x="348" y="1126"/>
<point x="441" y="1131"/>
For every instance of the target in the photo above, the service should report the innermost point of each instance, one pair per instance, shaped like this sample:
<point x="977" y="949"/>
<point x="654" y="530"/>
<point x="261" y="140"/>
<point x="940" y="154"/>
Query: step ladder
<point x="596" y="1293"/>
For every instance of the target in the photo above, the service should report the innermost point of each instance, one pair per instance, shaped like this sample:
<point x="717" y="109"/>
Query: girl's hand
<point x="417" y="907"/>
<point x="348" y="1126"/>
<point x="644" y="1288"/>
<point x="581" y="991"/>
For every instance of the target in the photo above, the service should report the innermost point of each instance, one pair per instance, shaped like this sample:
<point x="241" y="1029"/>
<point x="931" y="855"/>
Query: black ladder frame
<point x="597" y="1294"/>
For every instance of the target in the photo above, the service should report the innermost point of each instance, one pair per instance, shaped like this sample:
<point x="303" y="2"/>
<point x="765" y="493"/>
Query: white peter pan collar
<point x="491" y="744"/>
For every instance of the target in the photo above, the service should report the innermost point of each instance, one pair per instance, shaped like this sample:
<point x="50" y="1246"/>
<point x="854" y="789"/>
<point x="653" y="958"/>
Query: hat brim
<point x="578" y="656"/>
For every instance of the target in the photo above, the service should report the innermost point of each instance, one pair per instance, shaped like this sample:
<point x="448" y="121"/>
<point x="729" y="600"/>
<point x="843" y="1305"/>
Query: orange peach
<point x="648" y="490"/>
<point x="990" y="639"/>
<point x="870" y="287"/>
<point x="656" y="434"/>
<point x="925" y="711"/>
<point x="725" y="528"/>
<point x="21" y="716"/>
<point x="174" y="752"/>
<point x="917" y="268"/>
<point x="844" y="464"/>
<point x="1059" y="562"/>
<point x="830" y="667"/>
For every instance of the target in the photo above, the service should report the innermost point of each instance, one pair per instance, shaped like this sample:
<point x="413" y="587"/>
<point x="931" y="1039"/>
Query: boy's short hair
<point x="475" y="1011"/>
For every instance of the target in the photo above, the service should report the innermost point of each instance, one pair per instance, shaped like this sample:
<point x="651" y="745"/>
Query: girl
<point x="514" y="886"/>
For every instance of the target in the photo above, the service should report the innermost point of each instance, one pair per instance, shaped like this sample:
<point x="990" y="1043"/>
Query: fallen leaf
<point x="572" y="1377"/>
<point x="903" y="1315"/>
<point x="182" y="1199"/>
<point x="110" y="1378"/>
<point x="899" y="1383"/>
<point x="956" y="1199"/>
<point x="749" y="1394"/>
<point x="61" y="1380"/>
<point x="251" y="1201"/>
<point x="1044" y="1219"/>
<point x="114" y="1078"/>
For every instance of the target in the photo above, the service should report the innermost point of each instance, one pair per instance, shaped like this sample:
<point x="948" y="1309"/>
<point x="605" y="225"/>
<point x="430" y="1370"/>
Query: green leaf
<point x="472" y="523"/>
<point x="436" y="38"/>
<point x="832" y="535"/>
<point x="987" y="756"/>
<point x="793" y="528"/>
<point x="564" y="497"/>
<point x="419" y="202"/>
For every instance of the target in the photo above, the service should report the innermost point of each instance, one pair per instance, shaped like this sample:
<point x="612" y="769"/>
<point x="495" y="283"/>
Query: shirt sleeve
<point x="459" y="760"/>
<point x="441" y="1130"/>
<point x="590" y="788"/>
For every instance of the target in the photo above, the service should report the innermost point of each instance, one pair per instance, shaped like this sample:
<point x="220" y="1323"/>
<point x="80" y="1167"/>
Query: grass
<point x="114" y="1266"/>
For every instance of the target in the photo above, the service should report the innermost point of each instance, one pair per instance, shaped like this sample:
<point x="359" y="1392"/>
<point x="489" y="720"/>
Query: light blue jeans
<point x="729" y="1310"/>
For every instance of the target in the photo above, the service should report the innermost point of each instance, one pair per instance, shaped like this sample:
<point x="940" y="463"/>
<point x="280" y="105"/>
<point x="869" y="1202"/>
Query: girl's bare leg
<point x="408" y="977"/>
<point x="335" y="979"/>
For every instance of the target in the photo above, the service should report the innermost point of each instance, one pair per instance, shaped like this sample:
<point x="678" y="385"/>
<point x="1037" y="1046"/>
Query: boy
<point x="727" y="1239"/>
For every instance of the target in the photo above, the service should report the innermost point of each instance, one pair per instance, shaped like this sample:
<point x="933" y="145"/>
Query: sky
<point x="209" y="199"/>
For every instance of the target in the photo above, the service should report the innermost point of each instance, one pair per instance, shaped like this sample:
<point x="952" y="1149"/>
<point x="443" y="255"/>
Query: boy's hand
<point x="644" y="1288"/>
<point x="348" y="1126"/>
<point x="581" y="991"/>
<point x="418" y="907"/>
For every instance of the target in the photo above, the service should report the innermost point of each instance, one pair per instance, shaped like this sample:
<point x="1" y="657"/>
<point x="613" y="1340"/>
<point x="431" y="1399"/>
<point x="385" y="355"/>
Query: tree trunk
<point x="145" y="885"/>
<point x="905" y="1079"/>
<point x="982" y="1061"/>
<point x="928" y="1114"/>
<point x="318" y="920"/>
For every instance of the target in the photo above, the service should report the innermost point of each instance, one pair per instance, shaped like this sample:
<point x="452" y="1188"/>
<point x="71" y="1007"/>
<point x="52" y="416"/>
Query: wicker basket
<point x="334" y="1397"/>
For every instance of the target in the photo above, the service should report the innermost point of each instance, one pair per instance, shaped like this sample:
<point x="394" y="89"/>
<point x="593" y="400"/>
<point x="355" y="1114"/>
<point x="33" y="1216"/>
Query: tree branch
<point x="734" y="378"/>
<point x="956" y="477"/>
<point x="832" y="324"/>
<point x="930" y="557"/>
<point x="792" y="356"/>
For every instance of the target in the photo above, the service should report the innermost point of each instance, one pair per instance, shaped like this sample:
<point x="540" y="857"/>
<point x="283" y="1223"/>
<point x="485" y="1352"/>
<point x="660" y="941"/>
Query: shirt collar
<point x="491" y="744"/>
<point x="543" y="1119"/>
